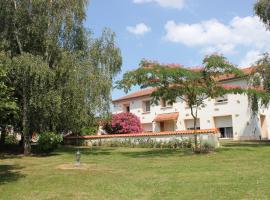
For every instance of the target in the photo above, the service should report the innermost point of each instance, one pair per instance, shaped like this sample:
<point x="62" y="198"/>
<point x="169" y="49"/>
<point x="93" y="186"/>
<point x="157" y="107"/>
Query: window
<point x="222" y="99"/>
<point x="164" y="103"/>
<point x="226" y="132"/>
<point x="146" y="106"/>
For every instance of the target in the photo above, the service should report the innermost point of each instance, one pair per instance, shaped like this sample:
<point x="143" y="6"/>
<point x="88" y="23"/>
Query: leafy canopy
<point x="262" y="10"/>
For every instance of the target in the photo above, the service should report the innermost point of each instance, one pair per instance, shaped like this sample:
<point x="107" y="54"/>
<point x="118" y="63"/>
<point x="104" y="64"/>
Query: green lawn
<point x="235" y="171"/>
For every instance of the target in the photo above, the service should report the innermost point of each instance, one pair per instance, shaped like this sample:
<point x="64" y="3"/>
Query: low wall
<point x="209" y="135"/>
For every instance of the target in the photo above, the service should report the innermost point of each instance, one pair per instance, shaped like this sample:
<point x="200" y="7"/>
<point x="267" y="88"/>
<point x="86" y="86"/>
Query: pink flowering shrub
<point x="123" y="123"/>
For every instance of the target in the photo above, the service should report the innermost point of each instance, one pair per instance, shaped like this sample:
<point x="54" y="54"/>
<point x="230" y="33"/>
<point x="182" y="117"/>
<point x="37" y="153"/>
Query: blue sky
<point x="180" y="31"/>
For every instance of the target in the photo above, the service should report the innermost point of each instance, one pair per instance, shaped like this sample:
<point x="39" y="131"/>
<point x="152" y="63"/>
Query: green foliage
<point x="260" y="79"/>
<point x="88" y="131"/>
<point x="8" y="104"/>
<point x="42" y="27"/>
<point x="11" y="140"/>
<point x="262" y="9"/>
<point x="58" y="76"/>
<point x="48" y="142"/>
<point x="205" y="147"/>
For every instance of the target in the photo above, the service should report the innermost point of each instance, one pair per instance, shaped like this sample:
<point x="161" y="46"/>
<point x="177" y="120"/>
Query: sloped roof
<point x="246" y="71"/>
<point x="140" y="93"/>
<point x="166" y="117"/>
<point x="148" y="91"/>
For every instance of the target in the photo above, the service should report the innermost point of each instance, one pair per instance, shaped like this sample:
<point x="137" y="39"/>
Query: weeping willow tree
<point x="62" y="77"/>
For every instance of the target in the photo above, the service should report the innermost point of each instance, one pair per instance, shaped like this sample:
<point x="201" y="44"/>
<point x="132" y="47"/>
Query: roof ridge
<point x="147" y="91"/>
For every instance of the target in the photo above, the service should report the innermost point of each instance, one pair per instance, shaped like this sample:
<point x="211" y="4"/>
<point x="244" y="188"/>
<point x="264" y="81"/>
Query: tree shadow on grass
<point x="159" y="153"/>
<point x="85" y="150"/>
<point x="246" y="144"/>
<point x="10" y="173"/>
<point x="4" y="156"/>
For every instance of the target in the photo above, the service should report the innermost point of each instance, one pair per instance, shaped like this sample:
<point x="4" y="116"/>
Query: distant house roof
<point x="166" y="117"/>
<point x="246" y="71"/>
<point x="148" y="91"/>
<point x="140" y="93"/>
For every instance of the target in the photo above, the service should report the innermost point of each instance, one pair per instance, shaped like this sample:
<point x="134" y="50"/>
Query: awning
<point x="166" y="117"/>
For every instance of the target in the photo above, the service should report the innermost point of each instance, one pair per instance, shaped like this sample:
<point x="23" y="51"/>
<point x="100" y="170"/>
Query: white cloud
<point x="178" y="4"/>
<point x="213" y="36"/>
<point x="250" y="58"/>
<point x="139" y="29"/>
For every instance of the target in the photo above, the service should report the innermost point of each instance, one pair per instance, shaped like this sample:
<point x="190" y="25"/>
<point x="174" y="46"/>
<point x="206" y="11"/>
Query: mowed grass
<point x="235" y="171"/>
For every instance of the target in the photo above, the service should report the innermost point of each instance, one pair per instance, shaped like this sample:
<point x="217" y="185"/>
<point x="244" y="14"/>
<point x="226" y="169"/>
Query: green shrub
<point x="11" y="139"/>
<point x="48" y="141"/>
<point x="204" y="147"/>
<point x="88" y="131"/>
<point x="207" y="147"/>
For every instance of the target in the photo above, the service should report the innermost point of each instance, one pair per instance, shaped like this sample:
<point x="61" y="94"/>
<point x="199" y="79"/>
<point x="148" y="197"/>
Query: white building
<point x="230" y="113"/>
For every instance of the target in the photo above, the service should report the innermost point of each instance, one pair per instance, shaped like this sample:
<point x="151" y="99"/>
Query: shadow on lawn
<point x="10" y="173"/>
<point x="4" y="156"/>
<point x="246" y="144"/>
<point x="85" y="150"/>
<point x="159" y="153"/>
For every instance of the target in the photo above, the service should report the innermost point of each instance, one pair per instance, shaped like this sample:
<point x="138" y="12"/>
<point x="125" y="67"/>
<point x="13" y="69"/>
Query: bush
<point x="205" y="147"/>
<point x="11" y="140"/>
<point x="88" y="131"/>
<point x="123" y="123"/>
<point x="48" y="141"/>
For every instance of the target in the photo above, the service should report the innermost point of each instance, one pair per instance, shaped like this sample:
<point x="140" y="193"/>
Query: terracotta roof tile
<point x="246" y="71"/>
<point x="140" y="93"/>
<point x="148" y="91"/>
<point x="165" y="117"/>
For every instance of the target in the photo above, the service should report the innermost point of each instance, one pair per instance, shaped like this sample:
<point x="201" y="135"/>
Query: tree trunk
<point x="195" y="135"/>
<point x="2" y="139"/>
<point x="195" y="126"/>
<point x="16" y="31"/>
<point x="26" y="138"/>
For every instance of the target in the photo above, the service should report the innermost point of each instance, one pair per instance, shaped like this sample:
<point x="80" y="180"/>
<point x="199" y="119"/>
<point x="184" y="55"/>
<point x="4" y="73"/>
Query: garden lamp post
<point x="77" y="155"/>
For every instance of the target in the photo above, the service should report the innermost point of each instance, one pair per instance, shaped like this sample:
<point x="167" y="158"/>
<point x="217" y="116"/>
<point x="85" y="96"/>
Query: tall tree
<point x="191" y="86"/>
<point x="260" y="76"/>
<point x="61" y="76"/>
<point x="29" y="74"/>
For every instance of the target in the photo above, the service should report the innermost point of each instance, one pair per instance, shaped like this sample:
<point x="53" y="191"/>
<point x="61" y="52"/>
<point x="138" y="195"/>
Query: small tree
<point x="124" y="123"/>
<point x="260" y="78"/>
<point x="192" y="86"/>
